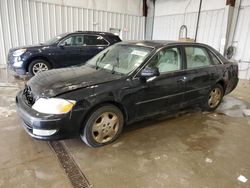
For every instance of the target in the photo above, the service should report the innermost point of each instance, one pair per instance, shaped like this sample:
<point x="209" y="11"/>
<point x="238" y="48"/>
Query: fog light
<point x="42" y="132"/>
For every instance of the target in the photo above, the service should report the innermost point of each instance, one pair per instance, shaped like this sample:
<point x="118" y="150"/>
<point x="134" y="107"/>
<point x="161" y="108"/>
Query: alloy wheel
<point x="40" y="67"/>
<point x="105" y="127"/>
<point x="214" y="97"/>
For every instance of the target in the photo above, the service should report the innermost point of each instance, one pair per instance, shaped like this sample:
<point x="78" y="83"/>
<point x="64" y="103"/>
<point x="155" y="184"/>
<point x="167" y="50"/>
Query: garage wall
<point x="133" y="7"/>
<point x="24" y="22"/>
<point x="170" y="15"/>
<point x="241" y="40"/>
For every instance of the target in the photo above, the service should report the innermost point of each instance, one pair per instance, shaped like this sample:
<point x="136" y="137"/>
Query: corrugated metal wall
<point x="167" y="26"/>
<point x="211" y="27"/>
<point x="242" y="42"/>
<point x="25" y="22"/>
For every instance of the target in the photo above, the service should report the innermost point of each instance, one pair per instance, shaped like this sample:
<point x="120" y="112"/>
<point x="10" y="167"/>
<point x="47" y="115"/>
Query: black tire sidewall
<point x="206" y="106"/>
<point x="86" y="134"/>
<point x="31" y="65"/>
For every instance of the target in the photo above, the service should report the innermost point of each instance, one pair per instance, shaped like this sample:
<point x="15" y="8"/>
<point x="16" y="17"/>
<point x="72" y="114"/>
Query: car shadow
<point x="148" y="122"/>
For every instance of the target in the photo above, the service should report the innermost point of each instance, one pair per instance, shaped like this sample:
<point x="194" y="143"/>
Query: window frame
<point x="73" y="35"/>
<point x="136" y="74"/>
<point x="108" y="43"/>
<point x="196" y="46"/>
<point x="65" y="38"/>
<point x="165" y="48"/>
<point x="211" y="53"/>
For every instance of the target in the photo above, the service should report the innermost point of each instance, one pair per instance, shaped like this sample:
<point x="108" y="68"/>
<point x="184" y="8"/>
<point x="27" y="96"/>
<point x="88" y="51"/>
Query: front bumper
<point x="66" y="125"/>
<point x="18" y="71"/>
<point x="12" y="62"/>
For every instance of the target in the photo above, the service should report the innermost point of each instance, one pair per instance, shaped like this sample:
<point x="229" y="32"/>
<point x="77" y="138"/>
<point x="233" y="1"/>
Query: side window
<point x="215" y="59"/>
<point x="167" y="60"/>
<point x="76" y="40"/>
<point x="197" y="57"/>
<point x="94" y="40"/>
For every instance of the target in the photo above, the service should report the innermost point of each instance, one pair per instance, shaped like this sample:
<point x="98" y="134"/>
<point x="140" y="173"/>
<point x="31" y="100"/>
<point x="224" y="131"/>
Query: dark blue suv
<point x="61" y="51"/>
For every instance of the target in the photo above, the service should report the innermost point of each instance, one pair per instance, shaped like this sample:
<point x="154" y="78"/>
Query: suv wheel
<point x="103" y="126"/>
<point x="38" y="65"/>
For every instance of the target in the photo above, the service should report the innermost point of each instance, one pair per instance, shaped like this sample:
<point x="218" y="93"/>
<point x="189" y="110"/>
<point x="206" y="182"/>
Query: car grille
<point x="28" y="95"/>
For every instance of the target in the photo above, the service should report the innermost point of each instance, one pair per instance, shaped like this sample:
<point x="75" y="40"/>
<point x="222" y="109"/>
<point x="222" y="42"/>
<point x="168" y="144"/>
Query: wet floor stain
<point x="201" y="142"/>
<point x="232" y="106"/>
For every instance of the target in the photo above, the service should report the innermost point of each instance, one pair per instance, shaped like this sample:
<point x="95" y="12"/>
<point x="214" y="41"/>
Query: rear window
<point x="114" y="38"/>
<point x="94" y="40"/>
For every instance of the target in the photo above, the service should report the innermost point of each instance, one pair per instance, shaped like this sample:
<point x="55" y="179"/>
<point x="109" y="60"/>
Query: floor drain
<point x="74" y="173"/>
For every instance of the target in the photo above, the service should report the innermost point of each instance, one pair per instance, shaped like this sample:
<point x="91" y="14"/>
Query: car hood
<point x="27" y="47"/>
<point x="57" y="81"/>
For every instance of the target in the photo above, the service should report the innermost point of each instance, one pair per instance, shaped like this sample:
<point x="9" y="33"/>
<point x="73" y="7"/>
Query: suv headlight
<point x="53" y="105"/>
<point x="19" y="52"/>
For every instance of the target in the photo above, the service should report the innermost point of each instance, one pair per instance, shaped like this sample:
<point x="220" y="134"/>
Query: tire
<point x="38" y="65"/>
<point x="103" y="126"/>
<point x="213" y="98"/>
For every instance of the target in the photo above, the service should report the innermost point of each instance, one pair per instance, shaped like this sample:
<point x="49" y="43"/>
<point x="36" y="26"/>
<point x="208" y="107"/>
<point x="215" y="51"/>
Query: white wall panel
<point x="170" y="15"/>
<point x="133" y="7"/>
<point x="24" y="22"/>
<point x="241" y="42"/>
<point x="209" y="32"/>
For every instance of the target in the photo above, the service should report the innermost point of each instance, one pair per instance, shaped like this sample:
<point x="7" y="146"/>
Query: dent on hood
<point x="64" y="87"/>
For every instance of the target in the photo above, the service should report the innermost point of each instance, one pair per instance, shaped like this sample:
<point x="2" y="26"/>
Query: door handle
<point x="182" y="80"/>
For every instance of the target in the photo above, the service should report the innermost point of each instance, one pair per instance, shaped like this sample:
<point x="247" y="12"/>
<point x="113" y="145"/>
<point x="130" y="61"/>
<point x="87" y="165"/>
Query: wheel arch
<point x="223" y="84"/>
<point x="35" y="58"/>
<point x="98" y="105"/>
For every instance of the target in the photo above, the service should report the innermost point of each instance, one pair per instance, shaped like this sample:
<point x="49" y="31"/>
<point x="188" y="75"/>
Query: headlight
<point x="19" y="52"/>
<point x="53" y="105"/>
<point x="18" y="63"/>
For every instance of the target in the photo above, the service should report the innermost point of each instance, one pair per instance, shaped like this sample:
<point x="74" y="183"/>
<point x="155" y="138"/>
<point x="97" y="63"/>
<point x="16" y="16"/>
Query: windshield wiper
<point x="100" y="59"/>
<point x="96" y="63"/>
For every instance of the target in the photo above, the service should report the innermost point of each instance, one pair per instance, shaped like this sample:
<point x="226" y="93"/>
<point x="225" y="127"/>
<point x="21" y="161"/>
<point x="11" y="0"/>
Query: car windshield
<point x="54" y="39"/>
<point x="120" y="58"/>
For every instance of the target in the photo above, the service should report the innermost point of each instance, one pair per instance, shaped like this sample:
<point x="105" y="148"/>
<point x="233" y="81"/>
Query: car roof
<point x="160" y="43"/>
<point x="156" y="44"/>
<point x="93" y="32"/>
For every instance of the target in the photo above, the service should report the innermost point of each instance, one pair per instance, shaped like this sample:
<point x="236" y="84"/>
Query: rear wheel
<point x="214" y="98"/>
<point x="38" y="65"/>
<point x="103" y="126"/>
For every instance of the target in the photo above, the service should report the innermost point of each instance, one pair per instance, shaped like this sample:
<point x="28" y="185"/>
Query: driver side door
<point x="163" y="93"/>
<point x="68" y="51"/>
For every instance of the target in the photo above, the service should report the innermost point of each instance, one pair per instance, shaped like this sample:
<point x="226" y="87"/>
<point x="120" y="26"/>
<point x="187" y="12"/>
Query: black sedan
<point x="61" y="51"/>
<point x="127" y="82"/>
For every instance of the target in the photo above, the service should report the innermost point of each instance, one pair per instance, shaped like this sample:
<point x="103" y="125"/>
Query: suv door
<point x="67" y="52"/>
<point x="164" y="92"/>
<point x="93" y="44"/>
<point x="200" y="73"/>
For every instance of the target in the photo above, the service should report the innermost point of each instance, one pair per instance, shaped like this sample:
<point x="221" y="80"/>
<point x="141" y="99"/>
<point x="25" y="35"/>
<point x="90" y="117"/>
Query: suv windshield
<point x="120" y="58"/>
<point x="54" y="39"/>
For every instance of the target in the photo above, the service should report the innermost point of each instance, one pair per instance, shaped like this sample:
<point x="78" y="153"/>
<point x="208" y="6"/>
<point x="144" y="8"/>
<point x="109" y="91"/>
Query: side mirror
<point x="150" y="72"/>
<point x="61" y="45"/>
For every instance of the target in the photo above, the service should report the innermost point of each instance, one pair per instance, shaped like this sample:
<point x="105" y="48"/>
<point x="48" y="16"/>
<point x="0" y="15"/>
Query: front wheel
<point x="38" y="65"/>
<point x="214" y="98"/>
<point x="103" y="126"/>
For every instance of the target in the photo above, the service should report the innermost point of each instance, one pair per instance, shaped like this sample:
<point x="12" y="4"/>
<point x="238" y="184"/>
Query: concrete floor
<point x="196" y="149"/>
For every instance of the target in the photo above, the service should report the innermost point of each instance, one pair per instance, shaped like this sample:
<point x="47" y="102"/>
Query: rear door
<point x="200" y="73"/>
<point x="93" y="44"/>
